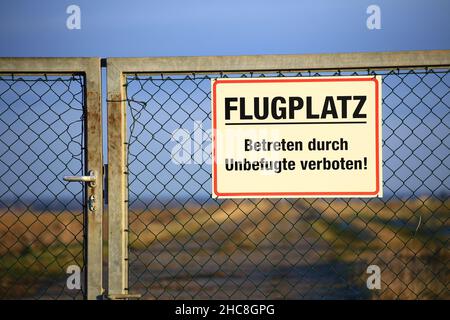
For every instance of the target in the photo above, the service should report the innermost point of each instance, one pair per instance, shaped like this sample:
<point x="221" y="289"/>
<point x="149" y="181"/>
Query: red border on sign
<point x="281" y="194"/>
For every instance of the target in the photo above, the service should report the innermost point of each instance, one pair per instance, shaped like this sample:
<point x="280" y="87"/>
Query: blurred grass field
<point x="408" y="239"/>
<point x="307" y="248"/>
<point x="35" y="250"/>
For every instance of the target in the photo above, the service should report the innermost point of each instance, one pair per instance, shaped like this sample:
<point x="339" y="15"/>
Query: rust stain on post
<point x="117" y="186"/>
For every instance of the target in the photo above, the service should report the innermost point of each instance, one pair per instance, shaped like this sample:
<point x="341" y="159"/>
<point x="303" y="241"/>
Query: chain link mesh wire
<point x="41" y="216"/>
<point x="184" y="244"/>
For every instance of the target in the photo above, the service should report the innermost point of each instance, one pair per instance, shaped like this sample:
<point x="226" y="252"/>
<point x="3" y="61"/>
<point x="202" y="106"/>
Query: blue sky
<point x="199" y="27"/>
<point x="232" y="27"/>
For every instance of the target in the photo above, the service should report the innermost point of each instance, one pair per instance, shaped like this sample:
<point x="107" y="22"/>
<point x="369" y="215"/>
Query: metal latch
<point x="91" y="179"/>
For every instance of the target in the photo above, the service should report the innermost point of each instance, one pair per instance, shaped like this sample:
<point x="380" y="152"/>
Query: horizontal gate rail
<point x="119" y="68"/>
<point x="364" y="60"/>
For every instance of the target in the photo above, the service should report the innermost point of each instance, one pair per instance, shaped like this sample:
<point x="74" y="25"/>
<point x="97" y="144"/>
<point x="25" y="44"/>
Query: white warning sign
<point x="297" y="137"/>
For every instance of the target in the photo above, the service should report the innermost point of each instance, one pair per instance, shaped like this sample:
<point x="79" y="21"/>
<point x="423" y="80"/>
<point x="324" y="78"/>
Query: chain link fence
<point x="184" y="245"/>
<point x="41" y="217"/>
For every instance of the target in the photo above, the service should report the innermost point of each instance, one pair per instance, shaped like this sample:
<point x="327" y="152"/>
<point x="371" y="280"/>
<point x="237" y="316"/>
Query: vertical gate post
<point x="94" y="163"/>
<point x="117" y="185"/>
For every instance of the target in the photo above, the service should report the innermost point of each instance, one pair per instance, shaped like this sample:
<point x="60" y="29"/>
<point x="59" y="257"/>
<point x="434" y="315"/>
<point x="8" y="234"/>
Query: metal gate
<point x="50" y="127"/>
<point x="166" y="237"/>
<point x="169" y="239"/>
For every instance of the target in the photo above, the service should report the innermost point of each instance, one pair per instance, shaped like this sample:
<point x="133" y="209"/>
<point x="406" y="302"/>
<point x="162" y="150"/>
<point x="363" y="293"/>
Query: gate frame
<point x="118" y="68"/>
<point x="90" y="69"/>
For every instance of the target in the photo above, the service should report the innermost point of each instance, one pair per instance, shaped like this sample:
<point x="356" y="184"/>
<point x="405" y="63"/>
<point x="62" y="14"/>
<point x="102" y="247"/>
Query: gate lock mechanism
<point x="90" y="181"/>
